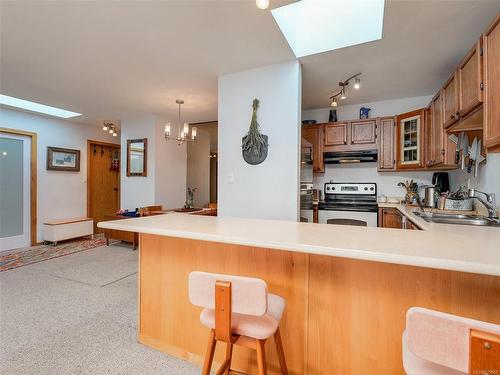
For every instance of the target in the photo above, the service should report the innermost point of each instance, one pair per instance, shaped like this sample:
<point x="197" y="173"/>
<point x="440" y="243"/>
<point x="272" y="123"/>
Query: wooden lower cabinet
<point x="342" y="316"/>
<point x="390" y="218"/>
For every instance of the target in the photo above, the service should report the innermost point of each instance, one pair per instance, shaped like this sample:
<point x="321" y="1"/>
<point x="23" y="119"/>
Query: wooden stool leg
<point x="209" y="356"/>
<point x="281" y="353"/>
<point x="261" y="357"/>
<point x="229" y="356"/>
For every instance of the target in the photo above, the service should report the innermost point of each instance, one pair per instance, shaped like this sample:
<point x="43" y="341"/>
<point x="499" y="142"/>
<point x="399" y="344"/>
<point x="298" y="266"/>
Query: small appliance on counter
<point x="431" y="197"/>
<point x="441" y="182"/>
<point x="306" y="202"/>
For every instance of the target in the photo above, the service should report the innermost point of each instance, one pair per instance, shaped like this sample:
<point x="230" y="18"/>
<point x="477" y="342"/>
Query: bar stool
<point x="239" y="311"/>
<point x="436" y="343"/>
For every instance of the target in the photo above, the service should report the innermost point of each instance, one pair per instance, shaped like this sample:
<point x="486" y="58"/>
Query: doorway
<point x="103" y="180"/>
<point x="17" y="189"/>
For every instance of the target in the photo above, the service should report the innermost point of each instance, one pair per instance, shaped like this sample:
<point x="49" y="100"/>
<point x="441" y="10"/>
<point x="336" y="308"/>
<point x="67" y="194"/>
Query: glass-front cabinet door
<point x="410" y="131"/>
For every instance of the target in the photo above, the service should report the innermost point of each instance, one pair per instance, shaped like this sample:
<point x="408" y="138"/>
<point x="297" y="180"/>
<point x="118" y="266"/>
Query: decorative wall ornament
<point x="254" y="145"/>
<point x="333" y="115"/>
<point x="63" y="159"/>
<point x="364" y="113"/>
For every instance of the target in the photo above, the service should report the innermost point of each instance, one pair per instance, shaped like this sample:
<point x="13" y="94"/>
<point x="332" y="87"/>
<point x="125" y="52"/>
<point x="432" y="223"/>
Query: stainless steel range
<point x="349" y="204"/>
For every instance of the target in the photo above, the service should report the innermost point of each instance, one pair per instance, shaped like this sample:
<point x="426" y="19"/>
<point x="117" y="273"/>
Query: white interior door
<point x="15" y="185"/>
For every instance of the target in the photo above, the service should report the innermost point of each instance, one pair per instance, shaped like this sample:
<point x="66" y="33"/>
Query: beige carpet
<point x="77" y="314"/>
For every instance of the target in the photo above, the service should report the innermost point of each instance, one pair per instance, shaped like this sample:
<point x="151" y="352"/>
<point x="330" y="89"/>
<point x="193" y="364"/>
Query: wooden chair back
<point x="248" y="297"/>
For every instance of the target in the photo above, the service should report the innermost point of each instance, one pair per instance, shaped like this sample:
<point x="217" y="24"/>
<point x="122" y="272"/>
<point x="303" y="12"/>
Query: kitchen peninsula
<point x="347" y="288"/>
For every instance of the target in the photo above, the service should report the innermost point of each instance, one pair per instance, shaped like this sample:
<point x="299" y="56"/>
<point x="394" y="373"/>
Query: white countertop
<point x="441" y="246"/>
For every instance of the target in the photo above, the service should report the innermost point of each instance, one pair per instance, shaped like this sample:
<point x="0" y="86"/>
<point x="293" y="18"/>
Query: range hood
<point x="344" y="157"/>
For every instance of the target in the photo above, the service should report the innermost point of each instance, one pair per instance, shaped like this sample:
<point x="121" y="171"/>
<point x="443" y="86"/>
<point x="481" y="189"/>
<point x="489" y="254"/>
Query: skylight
<point x="315" y="26"/>
<point x="36" y="107"/>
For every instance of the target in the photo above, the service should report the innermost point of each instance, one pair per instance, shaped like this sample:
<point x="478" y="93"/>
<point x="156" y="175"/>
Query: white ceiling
<point x="423" y="41"/>
<point x="115" y="60"/>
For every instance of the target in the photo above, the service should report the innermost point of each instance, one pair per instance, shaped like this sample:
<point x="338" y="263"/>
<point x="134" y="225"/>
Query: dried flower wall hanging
<point x="254" y="144"/>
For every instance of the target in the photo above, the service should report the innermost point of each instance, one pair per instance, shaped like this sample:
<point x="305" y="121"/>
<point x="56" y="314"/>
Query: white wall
<point x="171" y="170"/>
<point x="268" y="190"/>
<point x="165" y="182"/>
<point x="378" y="109"/>
<point x="367" y="172"/>
<point x="198" y="167"/>
<point x="138" y="191"/>
<point x="488" y="178"/>
<point x="60" y="195"/>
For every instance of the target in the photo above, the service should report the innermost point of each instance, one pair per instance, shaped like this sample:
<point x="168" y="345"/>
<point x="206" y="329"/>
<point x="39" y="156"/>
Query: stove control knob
<point x="371" y="188"/>
<point x="333" y="187"/>
<point x="366" y="188"/>
<point x="328" y="188"/>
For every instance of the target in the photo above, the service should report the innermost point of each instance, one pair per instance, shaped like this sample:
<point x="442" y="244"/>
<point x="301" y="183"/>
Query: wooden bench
<point x="55" y="231"/>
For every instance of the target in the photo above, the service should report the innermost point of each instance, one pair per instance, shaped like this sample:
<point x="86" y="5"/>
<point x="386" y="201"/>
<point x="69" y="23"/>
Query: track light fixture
<point x="342" y="91"/>
<point x="342" y="94"/>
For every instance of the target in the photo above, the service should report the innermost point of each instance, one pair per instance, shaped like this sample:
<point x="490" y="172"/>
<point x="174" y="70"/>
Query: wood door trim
<point x="33" y="177"/>
<point x="99" y="143"/>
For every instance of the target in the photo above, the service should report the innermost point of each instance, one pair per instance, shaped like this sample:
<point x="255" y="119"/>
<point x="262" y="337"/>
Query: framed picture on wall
<point x="63" y="159"/>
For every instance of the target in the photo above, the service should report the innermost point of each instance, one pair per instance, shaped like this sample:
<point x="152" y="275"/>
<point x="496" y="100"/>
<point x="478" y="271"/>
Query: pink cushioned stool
<point x="237" y="310"/>
<point x="438" y="343"/>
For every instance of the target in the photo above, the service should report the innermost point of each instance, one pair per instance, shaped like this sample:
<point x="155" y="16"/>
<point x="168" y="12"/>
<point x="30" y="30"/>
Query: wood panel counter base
<point x="342" y="316"/>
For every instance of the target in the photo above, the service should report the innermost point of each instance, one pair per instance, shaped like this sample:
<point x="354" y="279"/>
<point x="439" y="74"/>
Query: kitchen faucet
<point x="489" y="202"/>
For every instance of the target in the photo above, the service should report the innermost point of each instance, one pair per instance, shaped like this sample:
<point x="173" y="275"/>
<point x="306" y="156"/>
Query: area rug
<point x="21" y="257"/>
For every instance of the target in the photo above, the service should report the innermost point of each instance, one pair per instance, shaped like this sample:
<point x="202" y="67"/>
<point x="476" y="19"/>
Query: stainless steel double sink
<point x="434" y="217"/>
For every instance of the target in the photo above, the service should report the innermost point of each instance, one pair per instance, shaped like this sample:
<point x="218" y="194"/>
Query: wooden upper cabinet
<point x="363" y="132"/>
<point x="410" y="140"/>
<point x="314" y="135"/>
<point x="470" y="76"/>
<point x="450" y="101"/>
<point x="437" y="133"/>
<point x="387" y="146"/>
<point x="491" y="69"/>
<point x="336" y="134"/>
<point x="428" y="140"/>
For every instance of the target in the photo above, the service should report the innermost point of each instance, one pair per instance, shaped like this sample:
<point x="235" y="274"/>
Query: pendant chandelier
<point x="110" y="128"/>
<point x="342" y="93"/>
<point x="183" y="131"/>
